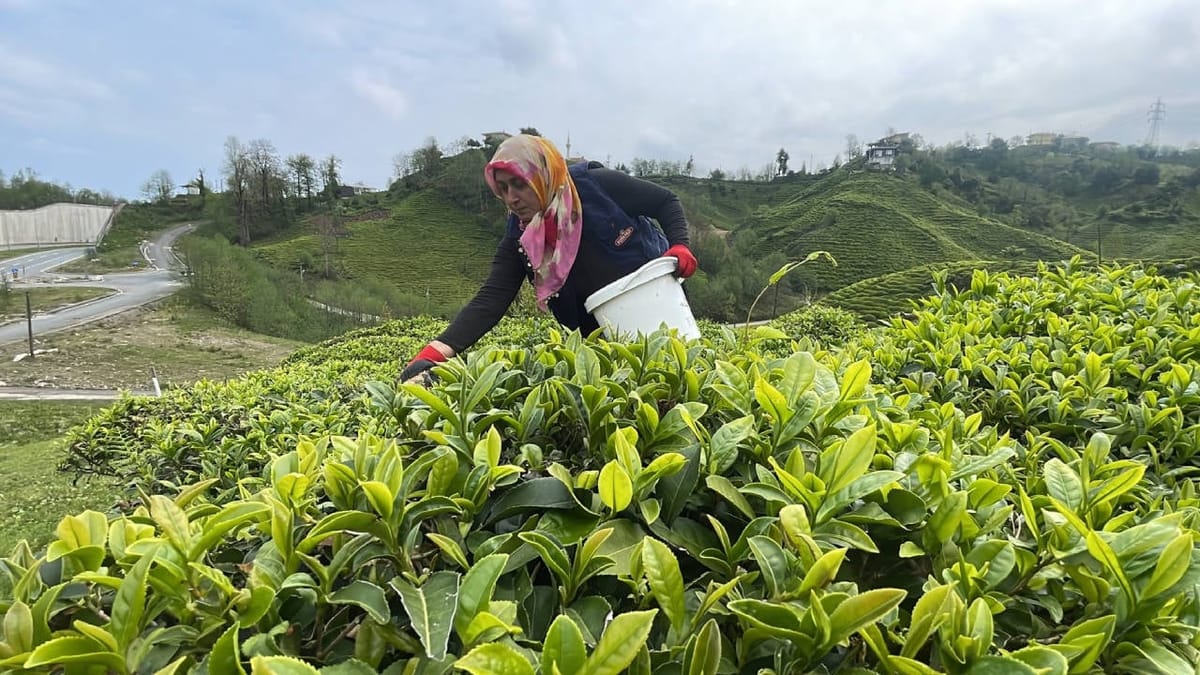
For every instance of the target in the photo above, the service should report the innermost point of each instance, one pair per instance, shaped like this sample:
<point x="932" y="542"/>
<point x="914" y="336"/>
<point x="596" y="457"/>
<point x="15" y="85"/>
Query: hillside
<point x="875" y="224"/>
<point x="419" y="243"/>
<point x="1137" y="202"/>
<point x="424" y="245"/>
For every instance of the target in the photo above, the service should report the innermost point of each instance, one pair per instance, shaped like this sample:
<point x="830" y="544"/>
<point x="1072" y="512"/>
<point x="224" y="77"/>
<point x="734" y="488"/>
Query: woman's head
<point x="525" y="173"/>
<point x="531" y="177"/>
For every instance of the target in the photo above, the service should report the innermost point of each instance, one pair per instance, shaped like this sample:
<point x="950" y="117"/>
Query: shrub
<point x="660" y="506"/>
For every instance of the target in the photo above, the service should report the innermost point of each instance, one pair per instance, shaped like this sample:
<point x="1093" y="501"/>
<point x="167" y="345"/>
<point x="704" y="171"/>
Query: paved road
<point x="133" y="288"/>
<point x="36" y="265"/>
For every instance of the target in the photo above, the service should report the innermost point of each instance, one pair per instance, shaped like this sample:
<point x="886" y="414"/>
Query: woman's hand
<point x="417" y="370"/>
<point x="687" y="261"/>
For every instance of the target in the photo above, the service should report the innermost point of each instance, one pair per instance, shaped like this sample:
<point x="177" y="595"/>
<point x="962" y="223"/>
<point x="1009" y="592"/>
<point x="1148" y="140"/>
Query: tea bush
<point x="575" y="505"/>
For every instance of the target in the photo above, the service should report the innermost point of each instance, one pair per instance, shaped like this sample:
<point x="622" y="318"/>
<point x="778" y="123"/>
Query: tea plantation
<point x="1002" y="480"/>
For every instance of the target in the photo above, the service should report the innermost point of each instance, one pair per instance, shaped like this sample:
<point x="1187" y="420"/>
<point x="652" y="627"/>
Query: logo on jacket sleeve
<point x="623" y="236"/>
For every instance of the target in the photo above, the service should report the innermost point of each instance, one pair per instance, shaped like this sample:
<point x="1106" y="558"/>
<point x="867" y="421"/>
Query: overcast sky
<point x="101" y="94"/>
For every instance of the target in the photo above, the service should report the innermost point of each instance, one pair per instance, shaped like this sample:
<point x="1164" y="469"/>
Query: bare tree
<point x="781" y="160"/>
<point x="402" y="164"/>
<point x="159" y="187"/>
<point x="237" y="182"/>
<point x="853" y="147"/>
<point x="264" y="162"/>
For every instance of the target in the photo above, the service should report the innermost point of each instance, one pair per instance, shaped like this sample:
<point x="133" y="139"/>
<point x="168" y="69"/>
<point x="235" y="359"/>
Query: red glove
<point x="422" y="362"/>
<point x="687" y="261"/>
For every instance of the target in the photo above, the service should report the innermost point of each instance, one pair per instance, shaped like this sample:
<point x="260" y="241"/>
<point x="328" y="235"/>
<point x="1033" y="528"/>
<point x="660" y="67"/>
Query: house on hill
<point x="881" y="155"/>
<point x="347" y="191"/>
<point x="1041" y="138"/>
<point x="1105" y="146"/>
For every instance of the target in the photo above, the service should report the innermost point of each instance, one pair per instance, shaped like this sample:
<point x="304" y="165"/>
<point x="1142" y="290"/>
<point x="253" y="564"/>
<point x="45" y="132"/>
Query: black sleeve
<point x="491" y="301"/>
<point x="639" y="197"/>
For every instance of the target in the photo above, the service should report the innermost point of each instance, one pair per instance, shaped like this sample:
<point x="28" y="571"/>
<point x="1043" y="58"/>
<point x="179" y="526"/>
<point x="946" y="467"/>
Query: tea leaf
<point x="476" y="589"/>
<point x="674" y="490"/>
<point x="1103" y="554"/>
<point x="723" y="448"/>
<point x="280" y="665"/>
<point x="703" y="655"/>
<point x="431" y="608"/>
<point x="1174" y="562"/>
<point x="666" y="582"/>
<point x="934" y="608"/>
<point x="494" y="658"/>
<point x="224" y="657"/>
<point x="855" y="379"/>
<point x="73" y="649"/>
<point x="130" y="601"/>
<point x="450" y="548"/>
<point x="823" y="571"/>
<point x="722" y="486"/>
<point x="860" y="610"/>
<point x="1063" y="483"/>
<point x="563" y="648"/>
<point x="18" y="627"/>
<point x="616" y="488"/>
<point x="773" y="562"/>
<point x="367" y="596"/>
<point x="619" y="644"/>
<point x="841" y="465"/>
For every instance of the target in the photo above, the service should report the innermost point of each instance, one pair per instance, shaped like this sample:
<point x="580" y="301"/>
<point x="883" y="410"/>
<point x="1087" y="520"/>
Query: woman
<point x="571" y="231"/>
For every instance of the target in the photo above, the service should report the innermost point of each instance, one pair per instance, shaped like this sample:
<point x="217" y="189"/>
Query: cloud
<point x="726" y="82"/>
<point x="379" y="92"/>
<point x="23" y="71"/>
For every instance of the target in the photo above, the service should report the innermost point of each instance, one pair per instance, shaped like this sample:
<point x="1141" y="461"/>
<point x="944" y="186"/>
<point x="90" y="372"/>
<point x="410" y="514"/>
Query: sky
<point x="103" y="94"/>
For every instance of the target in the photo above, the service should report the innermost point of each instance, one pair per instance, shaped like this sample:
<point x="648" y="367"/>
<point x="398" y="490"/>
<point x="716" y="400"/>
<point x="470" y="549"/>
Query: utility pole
<point x="1156" y="115"/>
<point x="29" y="321"/>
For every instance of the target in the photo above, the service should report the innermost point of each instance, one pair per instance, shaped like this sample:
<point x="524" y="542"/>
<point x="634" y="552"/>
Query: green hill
<point x="421" y="242"/>
<point x="876" y="224"/>
<point x="426" y="243"/>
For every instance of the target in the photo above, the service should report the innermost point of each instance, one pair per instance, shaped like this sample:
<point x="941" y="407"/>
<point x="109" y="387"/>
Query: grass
<point x="34" y="496"/>
<point x="425" y="244"/>
<point x="12" y="303"/>
<point x="116" y="259"/>
<point x="182" y="343"/>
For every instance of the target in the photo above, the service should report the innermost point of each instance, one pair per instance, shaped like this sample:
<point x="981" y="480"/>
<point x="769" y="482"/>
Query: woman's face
<point x="517" y="195"/>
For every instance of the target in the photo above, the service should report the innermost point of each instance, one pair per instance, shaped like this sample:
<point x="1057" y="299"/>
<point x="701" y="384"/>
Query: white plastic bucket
<point x="643" y="302"/>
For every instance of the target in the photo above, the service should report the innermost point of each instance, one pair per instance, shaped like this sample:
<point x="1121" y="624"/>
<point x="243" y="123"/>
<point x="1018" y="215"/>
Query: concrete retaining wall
<point x="54" y="224"/>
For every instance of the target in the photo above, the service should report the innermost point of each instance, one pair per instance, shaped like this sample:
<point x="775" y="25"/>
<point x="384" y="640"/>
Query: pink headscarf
<point x="551" y="237"/>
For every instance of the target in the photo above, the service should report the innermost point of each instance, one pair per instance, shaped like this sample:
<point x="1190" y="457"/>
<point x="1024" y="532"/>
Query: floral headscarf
<point x="551" y="237"/>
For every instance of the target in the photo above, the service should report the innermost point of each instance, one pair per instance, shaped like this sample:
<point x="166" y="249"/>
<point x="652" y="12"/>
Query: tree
<point x="689" y="167"/>
<point x="159" y="187"/>
<point x="237" y="182"/>
<point x="402" y="164"/>
<point x="530" y="131"/>
<point x="330" y="177"/>
<point x="264" y="162"/>
<point x="853" y="147"/>
<point x="427" y="159"/>
<point x="201" y="185"/>
<point x="716" y="174"/>
<point x="781" y="160"/>
<point x="303" y="176"/>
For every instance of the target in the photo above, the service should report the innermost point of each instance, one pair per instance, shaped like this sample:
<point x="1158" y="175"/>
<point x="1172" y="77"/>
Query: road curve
<point x="133" y="289"/>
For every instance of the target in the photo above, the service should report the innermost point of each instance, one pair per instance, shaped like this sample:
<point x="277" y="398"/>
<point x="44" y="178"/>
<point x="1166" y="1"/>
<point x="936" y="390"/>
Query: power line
<point x="1158" y="113"/>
